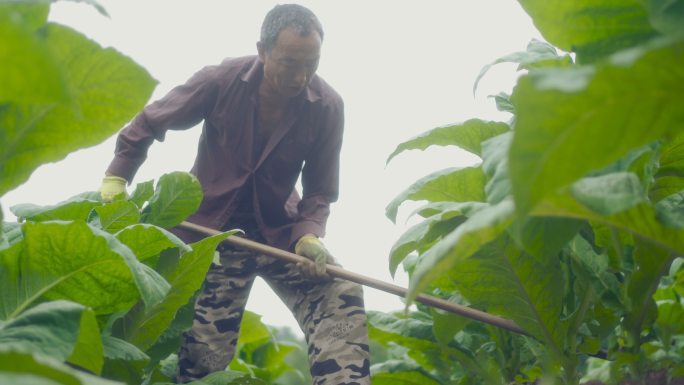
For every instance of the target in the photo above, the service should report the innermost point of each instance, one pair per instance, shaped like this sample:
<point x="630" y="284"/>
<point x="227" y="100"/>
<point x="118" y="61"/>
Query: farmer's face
<point x="290" y="65"/>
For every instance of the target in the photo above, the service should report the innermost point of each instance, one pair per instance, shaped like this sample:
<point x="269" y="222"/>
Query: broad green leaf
<point x="28" y="71"/>
<point x="107" y="89"/>
<point x="543" y="237"/>
<point x="149" y="323"/>
<point x="448" y="185"/>
<point x="165" y="370"/>
<point x="71" y="260"/>
<point x="271" y="358"/>
<point x="147" y="241"/>
<point x="617" y="243"/>
<point x="142" y="193"/>
<point x="495" y="166"/>
<point x="178" y="194"/>
<point x="10" y="234"/>
<point x="503" y="102"/>
<point x="665" y="186"/>
<point x="640" y="221"/>
<point x="88" y="352"/>
<point x="609" y="194"/>
<point x="416" y="335"/>
<point x="667" y="16"/>
<point x="228" y="377"/>
<point x="395" y="366"/>
<point x="418" y="332"/>
<point x="670" y="210"/>
<point x="679" y="282"/>
<point x="630" y="102"/>
<point x="114" y="216"/>
<point x="537" y="54"/>
<point x="591" y="28"/>
<point x="63" y="330"/>
<point x="449" y="209"/>
<point x="169" y="341"/>
<point x="596" y="268"/>
<point x="670" y="176"/>
<point x="123" y="361"/>
<point x="403" y="378"/>
<point x="467" y="135"/>
<point x="22" y="364"/>
<point x="671" y="315"/>
<point x="517" y="286"/>
<point x="76" y="208"/>
<point x="31" y="15"/>
<point x="446" y="325"/>
<point x="24" y="379"/>
<point x="631" y="161"/>
<point x="433" y="227"/>
<point x="653" y="263"/>
<point x="252" y="329"/>
<point x="483" y="227"/>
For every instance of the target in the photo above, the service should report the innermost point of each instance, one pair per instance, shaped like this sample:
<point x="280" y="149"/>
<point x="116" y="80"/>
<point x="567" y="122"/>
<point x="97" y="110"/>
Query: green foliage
<point x="60" y="274"/>
<point x="554" y="145"/>
<point x="578" y="232"/>
<point x="23" y="367"/>
<point x="468" y="136"/>
<point x="177" y="196"/>
<point x="452" y="184"/>
<point x="116" y="303"/>
<point x="60" y="329"/>
<point x="61" y="91"/>
<point x="593" y="29"/>
<point x="267" y="358"/>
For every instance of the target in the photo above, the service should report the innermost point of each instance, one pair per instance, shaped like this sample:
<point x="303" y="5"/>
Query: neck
<point x="268" y="97"/>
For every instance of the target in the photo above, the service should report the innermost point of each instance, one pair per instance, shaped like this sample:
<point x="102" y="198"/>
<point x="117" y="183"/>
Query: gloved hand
<point x="111" y="187"/>
<point x="311" y="247"/>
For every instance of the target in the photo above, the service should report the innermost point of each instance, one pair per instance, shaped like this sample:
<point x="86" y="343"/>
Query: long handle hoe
<point x="338" y="272"/>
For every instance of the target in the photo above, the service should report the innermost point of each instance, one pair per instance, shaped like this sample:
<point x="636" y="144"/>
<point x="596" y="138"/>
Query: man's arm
<point x="320" y="175"/>
<point x="183" y="107"/>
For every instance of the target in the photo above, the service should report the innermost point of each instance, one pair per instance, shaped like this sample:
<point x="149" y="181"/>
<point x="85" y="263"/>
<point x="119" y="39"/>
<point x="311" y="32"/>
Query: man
<point x="267" y="119"/>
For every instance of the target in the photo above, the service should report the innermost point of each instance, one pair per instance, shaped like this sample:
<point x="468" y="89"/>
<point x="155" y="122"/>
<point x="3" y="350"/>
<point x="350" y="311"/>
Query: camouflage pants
<point x="331" y="314"/>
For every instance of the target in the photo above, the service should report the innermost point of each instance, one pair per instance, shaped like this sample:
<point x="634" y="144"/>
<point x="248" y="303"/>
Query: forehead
<point x="292" y="43"/>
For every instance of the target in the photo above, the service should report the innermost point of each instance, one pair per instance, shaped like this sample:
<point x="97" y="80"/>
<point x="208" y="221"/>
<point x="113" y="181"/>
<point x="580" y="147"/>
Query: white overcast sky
<point x="402" y="67"/>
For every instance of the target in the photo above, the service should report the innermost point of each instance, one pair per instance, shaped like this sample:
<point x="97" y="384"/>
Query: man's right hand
<point x="111" y="187"/>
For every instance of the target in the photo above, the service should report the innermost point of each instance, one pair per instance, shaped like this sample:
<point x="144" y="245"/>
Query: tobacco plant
<point x="572" y="223"/>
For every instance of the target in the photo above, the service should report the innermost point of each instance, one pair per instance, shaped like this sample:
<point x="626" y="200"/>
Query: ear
<point x="261" y="51"/>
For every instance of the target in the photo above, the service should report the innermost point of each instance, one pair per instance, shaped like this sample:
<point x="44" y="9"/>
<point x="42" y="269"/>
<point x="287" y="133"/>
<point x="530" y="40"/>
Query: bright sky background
<point x="402" y="67"/>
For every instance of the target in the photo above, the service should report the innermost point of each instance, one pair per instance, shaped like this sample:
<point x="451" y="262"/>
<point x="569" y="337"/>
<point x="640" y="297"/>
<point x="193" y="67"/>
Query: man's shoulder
<point x="242" y="62"/>
<point x="231" y="68"/>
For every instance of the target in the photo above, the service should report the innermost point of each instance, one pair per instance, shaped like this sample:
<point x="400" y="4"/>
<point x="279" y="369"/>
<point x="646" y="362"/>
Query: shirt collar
<point x="255" y="73"/>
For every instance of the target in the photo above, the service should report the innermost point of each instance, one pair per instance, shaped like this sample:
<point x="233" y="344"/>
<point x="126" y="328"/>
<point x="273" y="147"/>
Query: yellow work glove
<point x="311" y="247"/>
<point x="111" y="187"/>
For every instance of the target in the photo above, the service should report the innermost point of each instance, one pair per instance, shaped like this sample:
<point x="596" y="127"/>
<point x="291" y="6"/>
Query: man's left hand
<point x="311" y="247"/>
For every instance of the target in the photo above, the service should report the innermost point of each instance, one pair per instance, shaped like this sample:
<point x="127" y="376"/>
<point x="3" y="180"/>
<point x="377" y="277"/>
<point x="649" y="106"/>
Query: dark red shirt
<point x="230" y="158"/>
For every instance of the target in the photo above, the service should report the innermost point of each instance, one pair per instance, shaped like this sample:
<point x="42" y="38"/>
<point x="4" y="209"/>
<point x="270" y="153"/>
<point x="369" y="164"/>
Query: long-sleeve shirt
<point x="230" y="161"/>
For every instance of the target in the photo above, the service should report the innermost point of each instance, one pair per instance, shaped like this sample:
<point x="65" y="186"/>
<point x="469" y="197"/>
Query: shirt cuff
<point x="305" y="227"/>
<point x="122" y="167"/>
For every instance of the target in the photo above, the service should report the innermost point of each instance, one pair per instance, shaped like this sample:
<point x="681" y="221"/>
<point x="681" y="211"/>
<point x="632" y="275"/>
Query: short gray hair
<point x="284" y="16"/>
